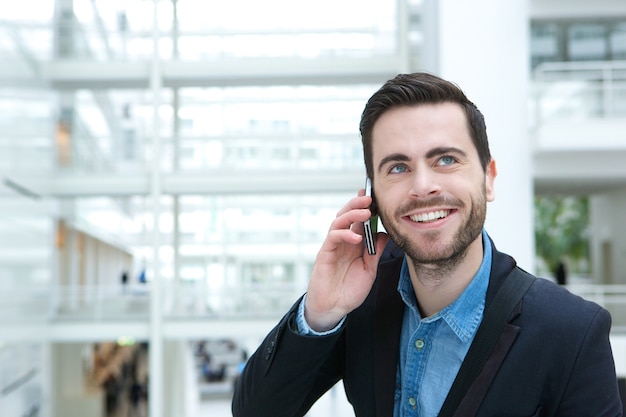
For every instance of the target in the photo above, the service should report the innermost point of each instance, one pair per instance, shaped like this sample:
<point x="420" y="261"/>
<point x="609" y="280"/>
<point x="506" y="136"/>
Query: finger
<point x="349" y="218"/>
<point x="341" y="236"/>
<point x="358" y="227"/>
<point x="358" y="202"/>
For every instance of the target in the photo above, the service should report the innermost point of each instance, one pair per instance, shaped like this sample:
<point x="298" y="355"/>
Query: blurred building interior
<point x="169" y="168"/>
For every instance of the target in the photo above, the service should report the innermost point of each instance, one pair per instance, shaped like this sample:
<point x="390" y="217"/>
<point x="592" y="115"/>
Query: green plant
<point x="562" y="231"/>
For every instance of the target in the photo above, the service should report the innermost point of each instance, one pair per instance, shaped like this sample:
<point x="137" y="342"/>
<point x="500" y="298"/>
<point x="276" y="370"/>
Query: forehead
<point x="421" y="126"/>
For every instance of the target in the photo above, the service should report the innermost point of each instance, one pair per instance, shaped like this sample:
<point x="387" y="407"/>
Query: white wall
<point x="21" y="374"/>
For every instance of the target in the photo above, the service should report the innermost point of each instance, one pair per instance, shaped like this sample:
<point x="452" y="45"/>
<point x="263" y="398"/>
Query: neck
<point x="437" y="285"/>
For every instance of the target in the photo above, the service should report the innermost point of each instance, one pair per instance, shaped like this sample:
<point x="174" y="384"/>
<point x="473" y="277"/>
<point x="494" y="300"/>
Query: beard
<point x="433" y="251"/>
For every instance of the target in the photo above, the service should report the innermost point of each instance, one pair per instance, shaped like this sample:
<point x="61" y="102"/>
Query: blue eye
<point x="397" y="169"/>
<point x="446" y="160"/>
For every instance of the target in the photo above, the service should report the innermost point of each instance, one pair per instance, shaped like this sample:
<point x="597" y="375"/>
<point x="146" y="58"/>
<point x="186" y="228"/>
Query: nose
<point x="425" y="184"/>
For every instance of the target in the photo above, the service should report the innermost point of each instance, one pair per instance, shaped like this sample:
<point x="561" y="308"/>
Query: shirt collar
<point x="465" y="313"/>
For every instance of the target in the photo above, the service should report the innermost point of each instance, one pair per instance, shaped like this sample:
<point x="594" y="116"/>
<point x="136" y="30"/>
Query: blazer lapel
<point x="388" y="315"/>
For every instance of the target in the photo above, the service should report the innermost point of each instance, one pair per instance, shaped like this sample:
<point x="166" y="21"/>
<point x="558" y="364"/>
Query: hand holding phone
<point x="341" y="267"/>
<point x="371" y="224"/>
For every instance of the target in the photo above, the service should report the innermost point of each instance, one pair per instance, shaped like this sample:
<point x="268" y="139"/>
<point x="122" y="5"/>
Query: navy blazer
<point x="552" y="359"/>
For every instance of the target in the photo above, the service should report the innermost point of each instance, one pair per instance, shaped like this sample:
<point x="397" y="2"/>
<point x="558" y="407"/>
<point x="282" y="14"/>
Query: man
<point x="397" y="326"/>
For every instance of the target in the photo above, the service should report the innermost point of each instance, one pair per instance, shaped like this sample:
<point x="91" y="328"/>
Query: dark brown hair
<point x="415" y="89"/>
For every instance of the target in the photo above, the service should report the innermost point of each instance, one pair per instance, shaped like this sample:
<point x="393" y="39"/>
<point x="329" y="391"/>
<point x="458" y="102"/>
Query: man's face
<point x="429" y="184"/>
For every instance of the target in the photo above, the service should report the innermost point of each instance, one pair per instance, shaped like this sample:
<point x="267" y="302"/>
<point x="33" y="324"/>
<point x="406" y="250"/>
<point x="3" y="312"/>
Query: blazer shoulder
<point x="561" y="310"/>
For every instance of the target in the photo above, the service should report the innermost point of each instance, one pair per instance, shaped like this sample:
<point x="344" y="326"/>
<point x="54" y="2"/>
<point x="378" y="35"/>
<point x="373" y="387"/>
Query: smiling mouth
<point x="430" y="216"/>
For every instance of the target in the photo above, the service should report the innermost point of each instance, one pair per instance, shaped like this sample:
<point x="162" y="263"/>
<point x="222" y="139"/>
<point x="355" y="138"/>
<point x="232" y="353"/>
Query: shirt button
<point x="412" y="402"/>
<point x="419" y="344"/>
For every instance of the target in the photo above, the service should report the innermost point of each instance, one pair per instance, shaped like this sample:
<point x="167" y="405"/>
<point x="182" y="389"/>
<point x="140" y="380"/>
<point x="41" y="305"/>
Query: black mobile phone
<point x="371" y="224"/>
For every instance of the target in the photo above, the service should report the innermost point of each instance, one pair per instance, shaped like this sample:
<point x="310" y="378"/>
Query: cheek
<point x="385" y="205"/>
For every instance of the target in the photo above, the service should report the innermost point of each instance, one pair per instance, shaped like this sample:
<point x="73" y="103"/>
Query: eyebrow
<point x="444" y="150"/>
<point x="394" y="157"/>
<point x="400" y="157"/>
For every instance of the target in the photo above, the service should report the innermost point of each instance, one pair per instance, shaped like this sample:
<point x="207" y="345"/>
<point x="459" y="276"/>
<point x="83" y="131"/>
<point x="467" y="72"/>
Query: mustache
<point x="437" y="201"/>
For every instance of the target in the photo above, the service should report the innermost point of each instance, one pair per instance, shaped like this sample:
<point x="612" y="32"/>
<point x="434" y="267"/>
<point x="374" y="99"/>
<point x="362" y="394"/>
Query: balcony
<point x="578" y="126"/>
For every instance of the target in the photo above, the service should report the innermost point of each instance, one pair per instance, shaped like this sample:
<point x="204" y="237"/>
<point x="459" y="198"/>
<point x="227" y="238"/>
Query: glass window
<point x="544" y="43"/>
<point x="280" y="28"/>
<point x="617" y="39"/>
<point x="586" y="42"/>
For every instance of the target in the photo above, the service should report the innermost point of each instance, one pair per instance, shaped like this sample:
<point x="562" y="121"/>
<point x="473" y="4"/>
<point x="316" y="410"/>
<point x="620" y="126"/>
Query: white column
<point x="482" y="45"/>
<point x="608" y="240"/>
<point x="183" y="392"/>
<point x="156" y="397"/>
<point x="72" y="270"/>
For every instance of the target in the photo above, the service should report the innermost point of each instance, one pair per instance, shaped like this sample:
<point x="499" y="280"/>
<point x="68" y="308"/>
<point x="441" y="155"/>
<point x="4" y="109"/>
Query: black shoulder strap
<point x="496" y="316"/>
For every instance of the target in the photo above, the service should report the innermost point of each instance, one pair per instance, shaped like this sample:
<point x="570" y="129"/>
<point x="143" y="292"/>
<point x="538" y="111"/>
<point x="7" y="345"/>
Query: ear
<point x="490" y="176"/>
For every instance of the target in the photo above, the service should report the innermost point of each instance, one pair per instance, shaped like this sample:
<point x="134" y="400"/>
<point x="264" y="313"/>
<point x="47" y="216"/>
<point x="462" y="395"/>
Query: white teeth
<point x="427" y="217"/>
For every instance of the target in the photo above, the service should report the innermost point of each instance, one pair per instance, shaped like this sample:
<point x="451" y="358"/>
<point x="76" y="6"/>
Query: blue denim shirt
<point x="433" y="348"/>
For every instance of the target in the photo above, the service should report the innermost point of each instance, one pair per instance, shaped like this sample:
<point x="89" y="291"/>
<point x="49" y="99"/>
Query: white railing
<point x="132" y="302"/>
<point x="590" y="89"/>
<point x="192" y="301"/>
